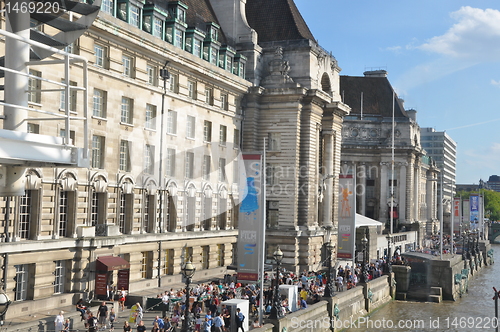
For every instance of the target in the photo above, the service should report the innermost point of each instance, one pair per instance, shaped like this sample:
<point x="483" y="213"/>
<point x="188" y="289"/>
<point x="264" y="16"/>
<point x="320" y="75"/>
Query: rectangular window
<point x="168" y="261"/>
<point x="135" y="16"/>
<point x="149" y="213"/>
<point x="34" y="84"/>
<point x="189" y="44"/>
<point x="100" y="53"/>
<point x="63" y="213"/>
<point x="271" y="178"/>
<point x="222" y="135"/>
<point x="21" y="289"/>
<point x="33" y="128"/>
<point x="174" y="83"/>
<point x="391" y="183"/>
<point x="189" y="174"/>
<point x="107" y="6"/>
<point x="59" y="277"/>
<point x="170" y="165"/>
<point x="224" y="104"/>
<point x="122" y="213"/>
<point x="125" y="155"/>
<point x="222" y="169"/>
<point x="152" y="77"/>
<point x="97" y="151"/>
<point x="213" y="56"/>
<point x="126" y="110"/>
<point x="220" y="255"/>
<point x="179" y="38"/>
<point x="192" y="89"/>
<point x="62" y="133"/>
<point x="94" y="209"/>
<point x="72" y="98"/>
<point x="127" y="65"/>
<point x="144" y="265"/>
<point x="157" y="27"/>
<point x="207" y="131"/>
<point x="236" y="139"/>
<point x="209" y="96"/>
<point x="72" y="48"/>
<point x="205" y="256"/>
<point x="150" y="117"/>
<point x="206" y="53"/>
<point x="149" y="159"/>
<point x="242" y="69"/>
<point x="171" y="122"/>
<point x="274" y="141"/>
<point x="206" y="167"/>
<point x="169" y="34"/>
<point x="99" y="103"/>
<point x="197" y="47"/>
<point x="25" y="202"/>
<point x="190" y="126"/>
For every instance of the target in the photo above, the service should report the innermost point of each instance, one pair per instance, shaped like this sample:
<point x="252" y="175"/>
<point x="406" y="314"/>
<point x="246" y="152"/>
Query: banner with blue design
<point x="251" y="217"/>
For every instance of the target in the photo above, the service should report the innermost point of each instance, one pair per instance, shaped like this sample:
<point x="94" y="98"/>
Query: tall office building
<point x="443" y="149"/>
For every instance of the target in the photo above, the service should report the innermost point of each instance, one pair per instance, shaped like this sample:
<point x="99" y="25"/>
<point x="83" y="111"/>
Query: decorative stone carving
<point x="278" y="70"/>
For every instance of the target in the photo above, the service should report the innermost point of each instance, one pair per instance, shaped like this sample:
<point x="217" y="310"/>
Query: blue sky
<point x="442" y="58"/>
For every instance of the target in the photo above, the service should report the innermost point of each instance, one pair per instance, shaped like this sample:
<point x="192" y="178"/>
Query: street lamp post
<point x="4" y="304"/>
<point x="388" y="267"/>
<point x="329" y="280"/>
<point x="471" y="245"/>
<point x="165" y="75"/>
<point x="276" y="311"/>
<point x="187" y="271"/>
<point x="464" y="236"/>
<point x="364" y="271"/>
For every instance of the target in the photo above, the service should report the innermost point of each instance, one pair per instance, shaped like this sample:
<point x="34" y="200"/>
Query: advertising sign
<point x="251" y="217"/>
<point x="474" y="212"/>
<point x="457" y="215"/>
<point x="347" y="217"/>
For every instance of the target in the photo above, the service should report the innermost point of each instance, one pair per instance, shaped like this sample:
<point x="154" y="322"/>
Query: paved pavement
<point x="43" y="320"/>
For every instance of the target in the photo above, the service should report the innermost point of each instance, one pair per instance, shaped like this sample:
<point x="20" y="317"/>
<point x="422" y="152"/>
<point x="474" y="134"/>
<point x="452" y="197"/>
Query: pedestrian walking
<point x="112" y="319"/>
<point x="102" y="315"/>
<point x="240" y="318"/>
<point x="138" y="313"/>
<point x="92" y="322"/>
<point x="121" y="300"/>
<point x="218" y="323"/>
<point x="59" y="322"/>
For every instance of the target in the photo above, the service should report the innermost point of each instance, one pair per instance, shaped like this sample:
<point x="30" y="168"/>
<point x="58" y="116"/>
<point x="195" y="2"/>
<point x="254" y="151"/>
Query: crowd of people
<point x="207" y="313"/>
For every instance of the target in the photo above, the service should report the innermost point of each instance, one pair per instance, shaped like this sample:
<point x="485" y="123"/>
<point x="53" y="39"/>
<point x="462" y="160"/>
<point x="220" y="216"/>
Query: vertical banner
<point x="347" y="217"/>
<point x="481" y="216"/>
<point x="457" y="216"/>
<point x="466" y="214"/>
<point x="250" y="217"/>
<point x="474" y="212"/>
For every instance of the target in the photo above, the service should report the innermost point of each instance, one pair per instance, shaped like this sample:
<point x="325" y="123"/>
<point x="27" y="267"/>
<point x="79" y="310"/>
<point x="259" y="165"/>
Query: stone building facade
<point x="367" y="150"/>
<point x="161" y="186"/>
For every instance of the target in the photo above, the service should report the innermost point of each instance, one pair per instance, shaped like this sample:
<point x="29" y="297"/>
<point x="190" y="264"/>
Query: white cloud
<point x="475" y="36"/>
<point x="495" y="83"/>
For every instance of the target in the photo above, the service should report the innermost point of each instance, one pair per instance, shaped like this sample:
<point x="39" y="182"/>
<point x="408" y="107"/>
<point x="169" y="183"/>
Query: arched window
<point x="326" y="86"/>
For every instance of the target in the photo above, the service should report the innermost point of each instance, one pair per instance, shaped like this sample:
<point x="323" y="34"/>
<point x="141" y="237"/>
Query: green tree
<point x="491" y="202"/>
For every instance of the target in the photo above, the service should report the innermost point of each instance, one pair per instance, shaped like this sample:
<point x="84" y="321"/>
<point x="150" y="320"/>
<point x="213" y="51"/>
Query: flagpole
<point x="263" y="236"/>
<point x="392" y="167"/>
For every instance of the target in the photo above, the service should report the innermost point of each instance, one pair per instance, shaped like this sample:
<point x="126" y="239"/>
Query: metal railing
<point x="68" y="59"/>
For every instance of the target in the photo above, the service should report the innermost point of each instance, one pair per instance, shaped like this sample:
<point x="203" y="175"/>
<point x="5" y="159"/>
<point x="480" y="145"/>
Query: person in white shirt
<point x="340" y="283"/>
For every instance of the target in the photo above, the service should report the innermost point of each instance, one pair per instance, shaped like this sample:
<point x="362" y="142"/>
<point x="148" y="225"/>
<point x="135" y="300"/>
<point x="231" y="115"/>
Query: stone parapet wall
<point x="338" y="312"/>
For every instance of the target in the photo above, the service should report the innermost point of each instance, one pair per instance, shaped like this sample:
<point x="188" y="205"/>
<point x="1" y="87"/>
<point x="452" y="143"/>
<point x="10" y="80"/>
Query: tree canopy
<point x="491" y="202"/>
